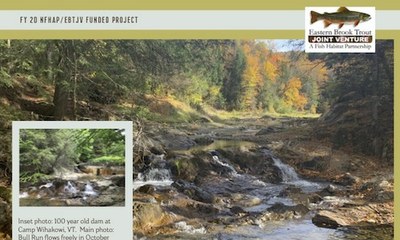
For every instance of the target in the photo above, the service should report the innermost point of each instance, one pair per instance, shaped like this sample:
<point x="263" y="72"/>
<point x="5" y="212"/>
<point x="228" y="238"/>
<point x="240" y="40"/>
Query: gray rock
<point x="193" y="191"/>
<point x="328" y="219"/>
<point x="316" y="164"/>
<point x="347" y="180"/>
<point x="237" y="210"/>
<point x="149" y="189"/>
<point x="281" y="208"/>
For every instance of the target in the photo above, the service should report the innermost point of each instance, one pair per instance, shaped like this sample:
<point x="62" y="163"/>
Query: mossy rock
<point x="186" y="169"/>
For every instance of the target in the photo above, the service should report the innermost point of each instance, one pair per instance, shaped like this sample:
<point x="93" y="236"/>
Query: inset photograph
<point x="72" y="167"/>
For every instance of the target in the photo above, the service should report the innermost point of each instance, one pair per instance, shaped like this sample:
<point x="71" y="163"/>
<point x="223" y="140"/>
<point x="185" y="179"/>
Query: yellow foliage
<point x="252" y="78"/>
<point x="293" y="97"/>
<point x="271" y="71"/>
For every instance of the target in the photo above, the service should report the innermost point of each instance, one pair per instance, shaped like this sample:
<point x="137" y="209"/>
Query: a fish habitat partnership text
<point x="64" y="229"/>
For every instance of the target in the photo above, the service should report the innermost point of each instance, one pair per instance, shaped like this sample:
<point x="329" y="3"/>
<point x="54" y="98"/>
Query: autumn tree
<point x="293" y="96"/>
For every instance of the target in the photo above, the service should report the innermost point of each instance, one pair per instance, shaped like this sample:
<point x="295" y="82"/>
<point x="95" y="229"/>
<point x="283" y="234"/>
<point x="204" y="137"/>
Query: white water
<point x="47" y="185"/>
<point x="184" y="227"/>
<point x="154" y="177"/>
<point x="23" y="195"/>
<point x="290" y="176"/>
<point x="233" y="171"/>
<point x="288" y="173"/>
<point x="89" y="191"/>
<point x="69" y="188"/>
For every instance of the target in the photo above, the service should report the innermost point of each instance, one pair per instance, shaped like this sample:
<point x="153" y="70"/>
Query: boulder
<point x="329" y="219"/>
<point x="237" y="210"/>
<point x="316" y="164"/>
<point x="149" y="189"/>
<point x="366" y="215"/>
<point x="281" y="208"/>
<point x="330" y="190"/>
<point x="193" y="191"/>
<point x="118" y="180"/>
<point x="176" y="140"/>
<point x="148" y="216"/>
<point x="347" y="180"/>
<point x="280" y="212"/>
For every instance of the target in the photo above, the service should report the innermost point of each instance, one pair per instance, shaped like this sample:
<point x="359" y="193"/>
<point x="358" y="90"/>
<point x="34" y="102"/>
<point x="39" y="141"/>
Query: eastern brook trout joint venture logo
<point x="330" y="29"/>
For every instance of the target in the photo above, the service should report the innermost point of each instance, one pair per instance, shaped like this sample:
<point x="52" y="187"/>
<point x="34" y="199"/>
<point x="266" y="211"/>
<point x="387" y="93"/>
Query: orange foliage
<point x="292" y="94"/>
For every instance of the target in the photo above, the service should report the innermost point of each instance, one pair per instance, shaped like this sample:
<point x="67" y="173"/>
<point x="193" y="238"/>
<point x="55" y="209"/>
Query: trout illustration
<point x="342" y="16"/>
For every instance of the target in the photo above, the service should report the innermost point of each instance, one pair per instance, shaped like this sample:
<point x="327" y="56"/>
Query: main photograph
<point x="233" y="139"/>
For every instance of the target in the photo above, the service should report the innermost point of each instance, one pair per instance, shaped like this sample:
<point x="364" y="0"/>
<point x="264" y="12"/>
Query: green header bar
<point x="190" y="5"/>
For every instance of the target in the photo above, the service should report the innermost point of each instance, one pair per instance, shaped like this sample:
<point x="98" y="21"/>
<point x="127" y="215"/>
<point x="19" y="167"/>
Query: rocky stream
<point x="230" y="182"/>
<point x="95" y="186"/>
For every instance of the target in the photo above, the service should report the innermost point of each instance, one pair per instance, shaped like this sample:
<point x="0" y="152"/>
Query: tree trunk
<point x="60" y="100"/>
<point x="64" y="98"/>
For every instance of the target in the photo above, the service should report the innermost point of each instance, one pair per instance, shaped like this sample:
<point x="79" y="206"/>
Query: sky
<point x="285" y="45"/>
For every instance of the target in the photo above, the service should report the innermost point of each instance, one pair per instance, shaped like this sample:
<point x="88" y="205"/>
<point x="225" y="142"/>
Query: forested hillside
<point x="225" y="74"/>
<point x="183" y="94"/>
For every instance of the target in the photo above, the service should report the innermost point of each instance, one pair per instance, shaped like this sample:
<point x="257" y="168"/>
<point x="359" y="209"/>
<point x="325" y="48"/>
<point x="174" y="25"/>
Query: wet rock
<point x="118" y="180"/>
<point x="202" y="208"/>
<point x="314" y="198"/>
<point x="279" y="212"/>
<point x="193" y="191"/>
<point x="157" y="150"/>
<point x="328" y="219"/>
<point x="113" y="190"/>
<point x="289" y="191"/>
<point x="316" y="164"/>
<point x="187" y="167"/>
<point x="256" y="163"/>
<point x="281" y="208"/>
<point x="330" y="190"/>
<point x="366" y="215"/>
<point x="347" y="180"/>
<point x="224" y="169"/>
<point x="245" y="200"/>
<point x="333" y="202"/>
<point x="379" y="191"/>
<point x="237" y="210"/>
<point x="174" y="139"/>
<point x="149" y="189"/>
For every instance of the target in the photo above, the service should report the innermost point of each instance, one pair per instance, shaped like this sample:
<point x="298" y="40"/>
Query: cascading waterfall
<point x="89" y="190"/>
<point x="155" y="177"/>
<point x="216" y="159"/>
<point x="70" y="188"/>
<point x="290" y="176"/>
<point x="288" y="173"/>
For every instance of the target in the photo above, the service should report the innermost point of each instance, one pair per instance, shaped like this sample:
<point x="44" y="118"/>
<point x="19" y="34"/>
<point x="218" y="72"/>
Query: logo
<point x="340" y="29"/>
